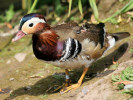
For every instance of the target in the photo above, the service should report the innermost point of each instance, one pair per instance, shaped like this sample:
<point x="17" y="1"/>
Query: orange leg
<point x="0" y="90"/>
<point x="75" y="86"/>
<point x="113" y="61"/>
<point x="67" y="83"/>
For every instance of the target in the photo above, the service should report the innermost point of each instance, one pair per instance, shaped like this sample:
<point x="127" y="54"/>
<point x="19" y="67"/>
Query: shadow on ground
<point x="42" y="86"/>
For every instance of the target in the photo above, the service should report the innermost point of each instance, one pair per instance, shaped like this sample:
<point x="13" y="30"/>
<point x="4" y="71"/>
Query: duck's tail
<point x="112" y="38"/>
<point x="120" y="35"/>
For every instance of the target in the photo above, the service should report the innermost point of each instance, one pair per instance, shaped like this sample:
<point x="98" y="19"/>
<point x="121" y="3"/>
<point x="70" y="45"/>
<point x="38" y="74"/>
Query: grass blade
<point x="33" y="6"/>
<point x="29" y="4"/>
<point x="126" y="8"/>
<point x="94" y="8"/>
<point x="70" y="5"/>
<point x="23" y="4"/>
<point x="80" y="7"/>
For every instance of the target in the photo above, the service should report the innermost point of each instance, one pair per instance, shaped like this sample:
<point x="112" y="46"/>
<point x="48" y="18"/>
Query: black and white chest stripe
<point x="71" y="49"/>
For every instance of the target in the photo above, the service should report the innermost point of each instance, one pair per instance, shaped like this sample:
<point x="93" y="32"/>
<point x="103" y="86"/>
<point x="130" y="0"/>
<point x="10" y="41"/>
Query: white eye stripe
<point x="36" y="19"/>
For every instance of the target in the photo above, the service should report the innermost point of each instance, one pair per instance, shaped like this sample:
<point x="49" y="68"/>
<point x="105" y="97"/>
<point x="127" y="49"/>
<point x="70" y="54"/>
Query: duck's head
<point x="31" y="24"/>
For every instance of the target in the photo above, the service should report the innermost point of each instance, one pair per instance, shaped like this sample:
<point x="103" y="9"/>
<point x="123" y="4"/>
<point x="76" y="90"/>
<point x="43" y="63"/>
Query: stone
<point x="20" y="57"/>
<point x="8" y="62"/>
<point x="11" y="79"/>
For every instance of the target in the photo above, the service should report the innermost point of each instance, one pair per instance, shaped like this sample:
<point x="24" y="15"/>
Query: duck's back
<point x="92" y="32"/>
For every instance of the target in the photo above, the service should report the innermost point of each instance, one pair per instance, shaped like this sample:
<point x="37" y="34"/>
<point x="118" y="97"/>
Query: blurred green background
<point x="60" y="10"/>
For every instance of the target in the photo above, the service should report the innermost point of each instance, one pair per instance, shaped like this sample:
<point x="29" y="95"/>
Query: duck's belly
<point x="73" y="63"/>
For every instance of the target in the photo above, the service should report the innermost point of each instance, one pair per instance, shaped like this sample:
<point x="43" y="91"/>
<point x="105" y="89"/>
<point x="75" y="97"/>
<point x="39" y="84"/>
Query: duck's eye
<point x="31" y="24"/>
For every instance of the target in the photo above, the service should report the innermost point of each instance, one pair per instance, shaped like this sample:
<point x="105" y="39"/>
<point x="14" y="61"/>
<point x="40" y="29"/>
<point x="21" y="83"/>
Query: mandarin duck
<point x="68" y="46"/>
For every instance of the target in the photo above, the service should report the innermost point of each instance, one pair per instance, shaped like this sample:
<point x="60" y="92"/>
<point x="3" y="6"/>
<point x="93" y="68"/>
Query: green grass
<point x="129" y="91"/>
<point x="131" y="50"/>
<point x="114" y="66"/>
<point x="56" y="68"/>
<point x="126" y="8"/>
<point x="94" y="8"/>
<point x="33" y="6"/>
<point x="125" y="75"/>
<point x="70" y="5"/>
<point x="9" y="14"/>
<point x="44" y="96"/>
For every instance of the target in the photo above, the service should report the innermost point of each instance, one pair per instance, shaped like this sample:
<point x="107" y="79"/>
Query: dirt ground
<point x="26" y="78"/>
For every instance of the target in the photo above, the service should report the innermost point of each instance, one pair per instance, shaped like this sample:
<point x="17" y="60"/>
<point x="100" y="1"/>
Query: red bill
<point x="18" y="36"/>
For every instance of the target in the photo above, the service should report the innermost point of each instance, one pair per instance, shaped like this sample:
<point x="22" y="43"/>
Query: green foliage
<point x="1" y="60"/>
<point x="70" y="5"/>
<point x="115" y="78"/>
<point x="113" y="20"/>
<point x="114" y="66"/>
<point x="94" y="8"/>
<point x="120" y="86"/>
<point x="8" y="15"/>
<point x="93" y="5"/>
<point x="131" y="50"/>
<point x="80" y="7"/>
<point x="126" y="8"/>
<point x="74" y="18"/>
<point x="129" y="92"/>
<point x="47" y="65"/>
<point x="29" y="6"/>
<point x="57" y="68"/>
<point x="33" y="6"/>
<point x="26" y="4"/>
<point x="2" y="19"/>
<point x="58" y="77"/>
<point x="126" y="75"/>
<point x="44" y="96"/>
<point x="59" y="9"/>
